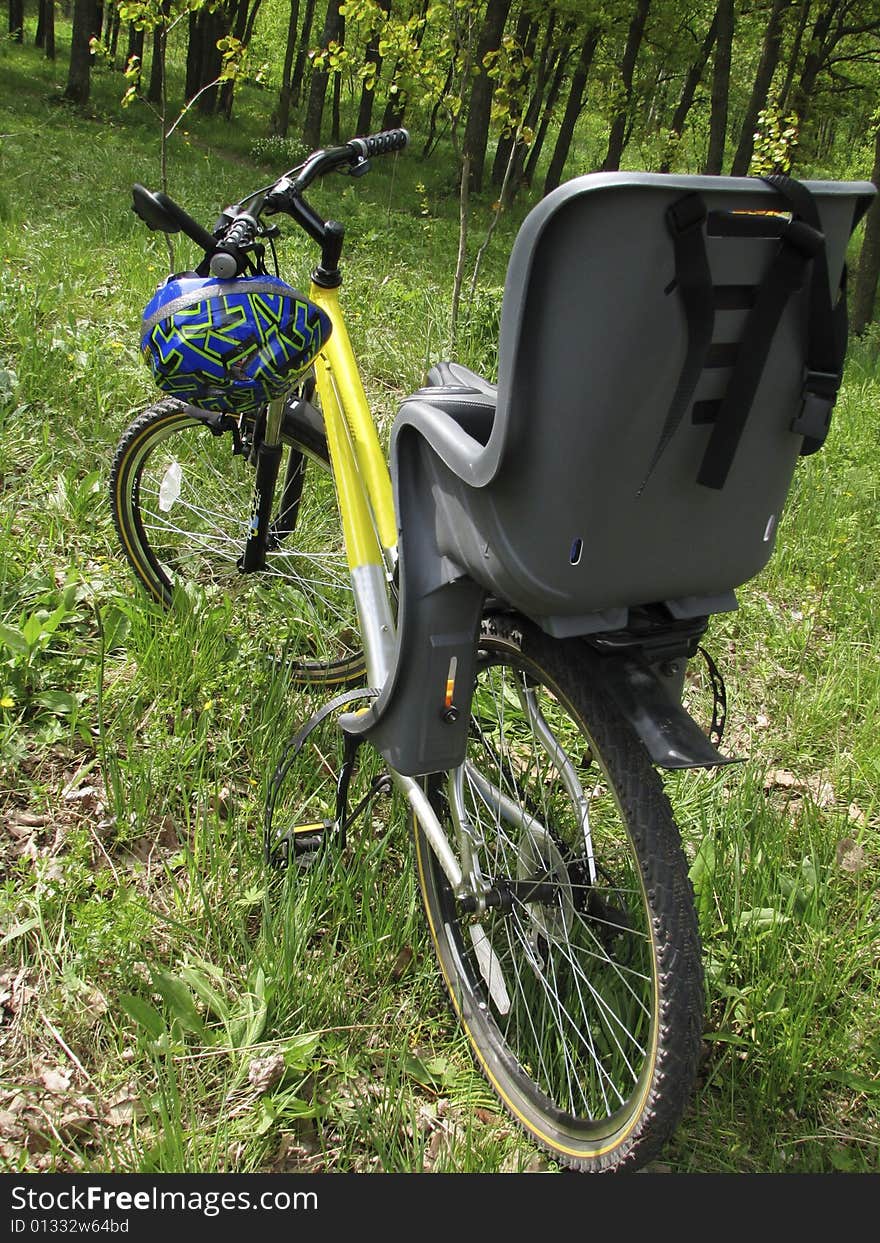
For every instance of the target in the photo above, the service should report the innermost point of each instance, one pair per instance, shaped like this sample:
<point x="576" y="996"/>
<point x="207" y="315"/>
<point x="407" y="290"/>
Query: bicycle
<point x="522" y="712"/>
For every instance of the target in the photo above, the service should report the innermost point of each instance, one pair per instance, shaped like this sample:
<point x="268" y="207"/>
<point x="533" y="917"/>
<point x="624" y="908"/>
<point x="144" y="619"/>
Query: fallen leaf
<point x="56" y="1079"/>
<point x="850" y="855"/>
<point x="265" y="1072"/>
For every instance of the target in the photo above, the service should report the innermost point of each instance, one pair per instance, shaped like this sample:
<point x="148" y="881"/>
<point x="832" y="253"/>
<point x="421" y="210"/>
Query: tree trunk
<point x="297" y="91"/>
<point x="368" y="94"/>
<point x="431" y="140"/>
<point x="720" y="88"/>
<point x="16" y="21"/>
<point x="476" y="134"/>
<point x="795" y="54"/>
<point x="533" y="111"/>
<point x="203" y="60"/>
<point x="547" y="114"/>
<point x="770" y="54"/>
<point x="242" y="29"/>
<point x="868" y="273"/>
<point x="524" y="36"/>
<point x="135" y="48"/>
<point x="573" y="108"/>
<point x="395" y="105"/>
<point x="156" y="84"/>
<point x="281" y="119"/>
<point x="114" y="35"/>
<point x="692" y="81"/>
<point x="79" y="72"/>
<point x="46" y="28"/>
<point x="320" y="78"/>
<point x="617" y="135"/>
<point x="336" y="122"/>
<point x="821" y="43"/>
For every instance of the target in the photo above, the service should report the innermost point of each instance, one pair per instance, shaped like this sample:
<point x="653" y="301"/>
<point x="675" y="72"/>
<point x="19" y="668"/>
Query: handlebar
<point x="239" y="227"/>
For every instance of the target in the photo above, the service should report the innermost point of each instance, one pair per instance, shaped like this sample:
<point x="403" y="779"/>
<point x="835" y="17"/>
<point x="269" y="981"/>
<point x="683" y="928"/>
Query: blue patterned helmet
<point x="231" y="345"/>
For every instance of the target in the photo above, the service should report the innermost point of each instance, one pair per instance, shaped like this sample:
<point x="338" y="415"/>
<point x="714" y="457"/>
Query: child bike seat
<point x="669" y="346"/>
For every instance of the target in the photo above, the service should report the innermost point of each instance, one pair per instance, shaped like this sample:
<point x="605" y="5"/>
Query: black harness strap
<point x="685" y="219"/>
<point x="799" y="243"/>
<point x="828" y="328"/>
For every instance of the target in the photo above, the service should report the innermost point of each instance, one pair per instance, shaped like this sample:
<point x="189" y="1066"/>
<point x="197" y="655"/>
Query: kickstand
<point x="306" y="838"/>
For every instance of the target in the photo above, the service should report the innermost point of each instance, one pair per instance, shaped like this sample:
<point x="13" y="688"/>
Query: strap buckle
<point x="819" y="395"/>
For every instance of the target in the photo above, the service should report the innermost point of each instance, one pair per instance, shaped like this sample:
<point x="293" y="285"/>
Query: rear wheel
<point x="580" y="983"/>
<point x="181" y="490"/>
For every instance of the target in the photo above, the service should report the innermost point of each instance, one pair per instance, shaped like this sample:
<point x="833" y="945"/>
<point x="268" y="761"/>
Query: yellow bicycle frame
<point x="364" y="485"/>
<point x="369" y="526"/>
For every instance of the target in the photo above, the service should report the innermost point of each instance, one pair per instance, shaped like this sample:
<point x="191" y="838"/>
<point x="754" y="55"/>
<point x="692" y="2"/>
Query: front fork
<point x="268" y="460"/>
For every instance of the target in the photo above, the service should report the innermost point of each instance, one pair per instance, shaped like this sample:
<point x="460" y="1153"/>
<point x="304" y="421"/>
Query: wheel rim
<point x="559" y="997"/>
<point x="190" y="504"/>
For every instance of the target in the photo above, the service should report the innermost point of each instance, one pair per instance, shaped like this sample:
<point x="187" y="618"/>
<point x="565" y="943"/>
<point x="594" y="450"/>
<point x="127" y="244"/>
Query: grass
<point x="170" y="1004"/>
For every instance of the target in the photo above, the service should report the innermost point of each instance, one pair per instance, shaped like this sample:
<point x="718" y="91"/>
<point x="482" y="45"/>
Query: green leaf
<point x="60" y="703"/>
<point x="761" y="918"/>
<point x="859" y="1083"/>
<point x="299" y="1051"/>
<point x="116" y="627"/>
<point x="144" y="1014"/>
<point x="32" y="629"/>
<point x="13" y="638"/>
<point x="179" y="1001"/>
<point x="200" y="984"/>
<point x="20" y="930"/>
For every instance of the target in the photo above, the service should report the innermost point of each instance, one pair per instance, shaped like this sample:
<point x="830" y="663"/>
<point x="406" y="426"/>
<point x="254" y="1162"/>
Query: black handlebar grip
<point x="381" y="144"/>
<point x="228" y="259"/>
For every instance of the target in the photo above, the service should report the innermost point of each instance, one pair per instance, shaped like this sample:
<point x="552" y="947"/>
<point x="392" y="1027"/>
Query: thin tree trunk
<point x="821" y="42"/>
<point x="297" y="91"/>
<point x="720" y="88"/>
<point x="868" y="273"/>
<point x="573" y="108"/>
<point x="281" y="119"/>
<point x="431" y="140"/>
<point x="546" y="116"/>
<point x="795" y="54"/>
<point x="242" y="29"/>
<point x="46" y="28"/>
<point x="368" y="94"/>
<point x="524" y="35"/>
<point x="617" y="135"/>
<point x="770" y="54"/>
<point x="135" y="48"/>
<point x="320" y="78"/>
<point x="156" y="86"/>
<point x="476" y="134"/>
<point x="689" y="90"/>
<point x="335" y="129"/>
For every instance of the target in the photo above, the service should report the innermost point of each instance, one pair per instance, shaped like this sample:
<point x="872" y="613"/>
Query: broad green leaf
<point x="59" y="702"/>
<point x="144" y="1014"/>
<point x="179" y="1001"/>
<point x="13" y="638"/>
<point x="203" y="988"/>
<point x="299" y="1051"/>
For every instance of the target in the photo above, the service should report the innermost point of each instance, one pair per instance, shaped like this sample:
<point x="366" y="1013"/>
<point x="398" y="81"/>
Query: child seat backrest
<point x="640" y="311"/>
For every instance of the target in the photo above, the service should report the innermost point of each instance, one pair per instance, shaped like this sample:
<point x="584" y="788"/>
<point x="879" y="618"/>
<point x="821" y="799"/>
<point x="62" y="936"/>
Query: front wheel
<point x="181" y="492"/>
<point x="580" y="984"/>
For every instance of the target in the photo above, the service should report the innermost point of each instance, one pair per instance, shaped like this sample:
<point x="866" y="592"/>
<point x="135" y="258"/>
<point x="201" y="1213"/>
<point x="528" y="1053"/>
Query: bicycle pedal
<point x="302" y="842"/>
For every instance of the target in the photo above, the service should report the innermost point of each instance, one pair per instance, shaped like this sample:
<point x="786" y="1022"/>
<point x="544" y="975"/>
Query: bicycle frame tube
<point x="351" y="400"/>
<point x="369" y="527"/>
